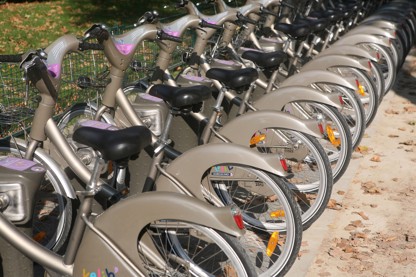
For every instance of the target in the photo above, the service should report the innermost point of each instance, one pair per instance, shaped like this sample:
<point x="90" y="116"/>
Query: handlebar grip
<point x="267" y="11"/>
<point x="245" y="19"/>
<point x="11" y="58"/>
<point x="165" y="36"/>
<point x="204" y="24"/>
<point x="90" y="46"/>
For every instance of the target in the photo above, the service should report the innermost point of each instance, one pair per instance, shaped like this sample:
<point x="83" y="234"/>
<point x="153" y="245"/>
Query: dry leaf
<point x="341" y="192"/>
<point x="363" y="149"/>
<point x="370" y="187"/>
<point x="391" y="111"/>
<point x="410" y="109"/>
<point x="412" y="123"/>
<point x="376" y="159"/>
<point x="362" y="214"/>
<point x="334" y="205"/>
<point x="393" y="136"/>
<point x="357" y="223"/>
<point x="407" y="142"/>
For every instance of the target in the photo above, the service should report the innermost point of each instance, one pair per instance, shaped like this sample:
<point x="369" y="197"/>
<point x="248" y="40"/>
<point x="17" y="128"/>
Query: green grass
<point x="36" y="24"/>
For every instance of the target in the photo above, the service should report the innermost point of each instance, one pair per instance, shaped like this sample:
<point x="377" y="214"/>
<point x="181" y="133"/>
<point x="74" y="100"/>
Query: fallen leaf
<point x="376" y="159"/>
<point x="391" y="111"/>
<point x="410" y="109"/>
<point x="341" y="192"/>
<point x="407" y="142"/>
<point x="393" y="136"/>
<point x="370" y="187"/>
<point x="363" y="149"/>
<point x="412" y="123"/>
<point x="357" y="223"/>
<point x="334" y="205"/>
<point x="362" y="214"/>
<point x="373" y="205"/>
<point x="401" y="129"/>
<point x="395" y="179"/>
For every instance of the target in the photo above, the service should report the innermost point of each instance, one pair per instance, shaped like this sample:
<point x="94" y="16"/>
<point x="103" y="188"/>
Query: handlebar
<point x="164" y="36"/>
<point x="98" y="31"/>
<point x="149" y="17"/>
<point x="245" y="19"/>
<point x="264" y="10"/>
<point x="90" y="46"/>
<point x="204" y="24"/>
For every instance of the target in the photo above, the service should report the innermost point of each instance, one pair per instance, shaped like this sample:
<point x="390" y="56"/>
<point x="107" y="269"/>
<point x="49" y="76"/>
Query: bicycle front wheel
<point x="271" y="215"/>
<point x="187" y="249"/>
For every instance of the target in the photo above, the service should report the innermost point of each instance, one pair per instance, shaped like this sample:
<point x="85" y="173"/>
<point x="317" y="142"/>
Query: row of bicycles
<point x="213" y="170"/>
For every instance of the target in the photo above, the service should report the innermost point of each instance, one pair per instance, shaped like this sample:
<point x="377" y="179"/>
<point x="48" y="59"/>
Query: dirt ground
<point x="373" y="229"/>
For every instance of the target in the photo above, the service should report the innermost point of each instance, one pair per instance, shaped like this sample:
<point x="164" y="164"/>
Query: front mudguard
<point x="277" y="99"/>
<point x="336" y="61"/>
<point x="311" y="77"/>
<point x="190" y="167"/>
<point x="363" y="38"/>
<point x="371" y="30"/>
<point x="122" y="224"/>
<point x="349" y="50"/>
<point x="241" y="129"/>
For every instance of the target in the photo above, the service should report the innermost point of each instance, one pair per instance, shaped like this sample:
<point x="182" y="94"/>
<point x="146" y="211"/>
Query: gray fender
<point x="308" y="78"/>
<point x="371" y="30"/>
<point x="241" y="129"/>
<point x="123" y="222"/>
<point x="379" y="23"/>
<point x="190" y="167"/>
<point x="61" y="175"/>
<point x="349" y="50"/>
<point x="362" y="38"/>
<point x="336" y="61"/>
<point x="277" y="99"/>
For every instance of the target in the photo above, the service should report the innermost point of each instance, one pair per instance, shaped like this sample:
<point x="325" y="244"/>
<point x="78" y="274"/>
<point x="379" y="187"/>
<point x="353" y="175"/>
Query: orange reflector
<point x="336" y="142"/>
<point x="278" y="213"/>
<point x="257" y="138"/>
<point x="271" y="246"/>
<point x="360" y="90"/>
<point x="39" y="236"/>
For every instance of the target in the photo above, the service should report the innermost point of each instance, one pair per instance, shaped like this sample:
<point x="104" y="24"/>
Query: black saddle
<point x="296" y="31"/>
<point x="270" y="60"/>
<point x="237" y="80"/>
<point x="114" y="145"/>
<point x="316" y="24"/>
<point x="181" y="97"/>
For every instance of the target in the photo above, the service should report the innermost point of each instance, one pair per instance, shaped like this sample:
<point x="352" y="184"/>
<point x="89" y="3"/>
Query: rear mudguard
<point x="371" y="30"/>
<point x="308" y="78"/>
<point x="349" y="50"/>
<point x="123" y="222"/>
<point x="336" y="61"/>
<point x="362" y="38"/>
<point x="190" y="167"/>
<point x="277" y="99"/>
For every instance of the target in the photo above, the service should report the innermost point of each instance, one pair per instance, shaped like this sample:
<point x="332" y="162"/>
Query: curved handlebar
<point x="165" y="36"/>
<point x="90" y="46"/>
<point x="206" y="24"/>
<point x="245" y="19"/>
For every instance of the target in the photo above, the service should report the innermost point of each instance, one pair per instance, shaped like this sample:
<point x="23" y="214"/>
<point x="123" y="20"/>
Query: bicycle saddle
<point x="316" y="24"/>
<point x="294" y="30"/>
<point x="181" y="97"/>
<point x="268" y="60"/>
<point x="234" y="79"/>
<point x="114" y="145"/>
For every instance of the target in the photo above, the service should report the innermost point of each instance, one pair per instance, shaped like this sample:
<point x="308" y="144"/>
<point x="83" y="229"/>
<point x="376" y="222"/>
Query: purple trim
<point x="224" y="62"/>
<point x="54" y="70"/>
<point x="173" y="33"/>
<point x="150" y="97"/>
<point x="125" y="49"/>
<point x="17" y="163"/>
<point x="195" y="78"/>
<point x="98" y="125"/>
